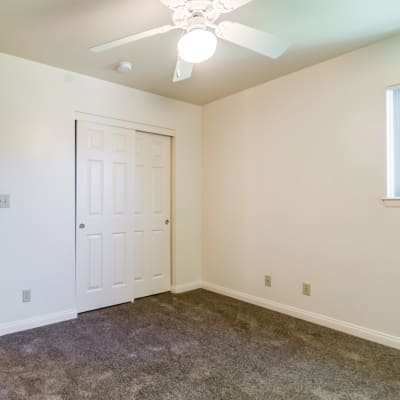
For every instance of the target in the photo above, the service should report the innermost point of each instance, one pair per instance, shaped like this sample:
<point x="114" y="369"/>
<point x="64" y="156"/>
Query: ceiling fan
<point x="197" y="18"/>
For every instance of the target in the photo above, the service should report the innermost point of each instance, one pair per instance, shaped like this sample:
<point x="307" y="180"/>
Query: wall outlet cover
<point x="268" y="280"/>
<point x="4" y="201"/>
<point x="26" y="296"/>
<point x="307" y="289"/>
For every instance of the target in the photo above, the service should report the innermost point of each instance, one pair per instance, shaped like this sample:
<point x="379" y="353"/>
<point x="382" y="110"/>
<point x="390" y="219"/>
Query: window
<point x="393" y="142"/>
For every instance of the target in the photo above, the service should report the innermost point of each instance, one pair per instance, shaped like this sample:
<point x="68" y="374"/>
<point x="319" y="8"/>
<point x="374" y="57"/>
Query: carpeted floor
<point x="193" y="346"/>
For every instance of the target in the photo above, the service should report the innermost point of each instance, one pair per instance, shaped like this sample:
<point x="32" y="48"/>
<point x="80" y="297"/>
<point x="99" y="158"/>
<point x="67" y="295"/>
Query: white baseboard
<point x="36" y="322"/>
<point x="187" y="287"/>
<point x="319" y="319"/>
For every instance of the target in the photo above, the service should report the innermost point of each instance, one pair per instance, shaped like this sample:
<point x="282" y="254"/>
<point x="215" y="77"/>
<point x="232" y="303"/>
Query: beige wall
<point x="293" y="175"/>
<point x="37" y="168"/>
<point x="294" y="171"/>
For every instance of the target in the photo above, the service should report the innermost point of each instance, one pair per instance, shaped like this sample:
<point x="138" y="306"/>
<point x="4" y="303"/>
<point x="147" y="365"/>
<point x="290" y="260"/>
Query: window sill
<point x="391" y="202"/>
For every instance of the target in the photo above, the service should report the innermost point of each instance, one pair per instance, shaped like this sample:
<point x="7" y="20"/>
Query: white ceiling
<point x="59" y="32"/>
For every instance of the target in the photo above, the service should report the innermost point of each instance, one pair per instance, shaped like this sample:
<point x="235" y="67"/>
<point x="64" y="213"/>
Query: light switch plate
<point x="4" y="201"/>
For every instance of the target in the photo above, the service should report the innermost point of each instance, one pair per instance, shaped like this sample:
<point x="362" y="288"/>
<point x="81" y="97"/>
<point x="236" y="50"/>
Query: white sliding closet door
<point x="152" y="214"/>
<point x="105" y="216"/>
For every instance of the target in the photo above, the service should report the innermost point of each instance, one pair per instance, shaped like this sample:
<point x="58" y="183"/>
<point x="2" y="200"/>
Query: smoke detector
<point x="124" y="67"/>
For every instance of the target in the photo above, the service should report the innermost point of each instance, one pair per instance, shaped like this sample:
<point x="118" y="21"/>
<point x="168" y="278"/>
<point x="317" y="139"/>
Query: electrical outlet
<point x="26" y="296"/>
<point x="268" y="280"/>
<point x="4" y="201"/>
<point x="307" y="289"/>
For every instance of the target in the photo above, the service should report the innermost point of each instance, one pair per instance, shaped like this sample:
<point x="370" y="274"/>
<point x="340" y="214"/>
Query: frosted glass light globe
<point x="197" y="46"/>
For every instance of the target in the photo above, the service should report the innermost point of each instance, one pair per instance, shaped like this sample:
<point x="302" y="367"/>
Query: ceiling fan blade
<point x="133" y="38"/>
<point x="183" y="70"/>
<point x="261" y="42"/>
<point x="230" y="5"/>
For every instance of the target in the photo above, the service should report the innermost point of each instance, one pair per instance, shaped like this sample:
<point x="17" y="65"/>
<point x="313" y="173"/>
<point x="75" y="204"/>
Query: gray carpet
<point x="193" y="346"/>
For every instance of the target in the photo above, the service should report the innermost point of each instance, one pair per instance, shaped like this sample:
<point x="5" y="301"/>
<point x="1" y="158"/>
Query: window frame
<point x="391" y="200"/>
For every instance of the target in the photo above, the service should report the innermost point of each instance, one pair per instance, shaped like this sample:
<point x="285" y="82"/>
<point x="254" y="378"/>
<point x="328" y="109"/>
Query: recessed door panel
<point x="140" y="190"/>
<point x="140" y="262"/>
<point x="120" y="187"/>
<point x="157" y="256"/>
<point x="156" y="190"/>
<point x="120" y="143"/>
<point x="95" y="247"/>
<point x="157" y="151"/>
<point x="96" y="139"/>
<point x="119" y="259"/>
<point x="96" y="185"/>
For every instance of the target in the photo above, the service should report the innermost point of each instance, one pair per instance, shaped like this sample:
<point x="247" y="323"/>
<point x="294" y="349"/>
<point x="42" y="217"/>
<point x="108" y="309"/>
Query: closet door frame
<point x="146" y="128"/>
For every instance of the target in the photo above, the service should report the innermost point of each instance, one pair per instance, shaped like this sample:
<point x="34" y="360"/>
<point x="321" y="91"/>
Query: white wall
<point x="294" y="171"/>
<point x="37" y="105"/>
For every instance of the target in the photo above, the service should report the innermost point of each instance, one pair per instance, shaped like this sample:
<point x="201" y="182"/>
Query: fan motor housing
<point x="196" y="13"/>
<point x="197" y="21"/>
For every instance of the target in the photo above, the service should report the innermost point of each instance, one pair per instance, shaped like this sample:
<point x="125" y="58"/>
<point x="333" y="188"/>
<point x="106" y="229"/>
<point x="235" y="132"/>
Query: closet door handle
<point x="167" y="222"/>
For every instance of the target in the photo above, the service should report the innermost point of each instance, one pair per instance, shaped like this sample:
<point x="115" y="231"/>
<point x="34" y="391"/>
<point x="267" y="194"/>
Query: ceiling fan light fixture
<point x="197" y="45"/>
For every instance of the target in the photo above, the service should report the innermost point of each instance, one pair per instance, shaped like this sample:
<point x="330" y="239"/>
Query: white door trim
<point x="137" y="126"/>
